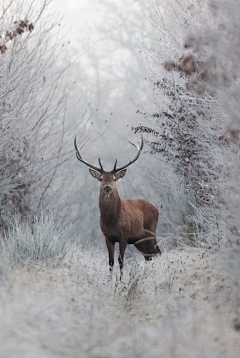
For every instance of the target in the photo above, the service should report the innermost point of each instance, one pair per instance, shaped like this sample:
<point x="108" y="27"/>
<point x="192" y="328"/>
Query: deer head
<point x="108" y="179"/>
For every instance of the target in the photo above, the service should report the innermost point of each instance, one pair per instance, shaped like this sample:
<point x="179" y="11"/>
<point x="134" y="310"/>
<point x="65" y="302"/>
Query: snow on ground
<point x="184" y="304"/>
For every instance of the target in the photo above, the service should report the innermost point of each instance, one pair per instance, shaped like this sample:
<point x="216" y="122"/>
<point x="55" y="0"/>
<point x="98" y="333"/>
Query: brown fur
<point x="124" y="221"/>
<point x="127" y="222"/>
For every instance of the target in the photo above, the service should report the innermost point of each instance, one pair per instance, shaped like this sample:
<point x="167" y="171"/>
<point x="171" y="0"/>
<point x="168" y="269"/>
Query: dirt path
<point x="184" y="304"/>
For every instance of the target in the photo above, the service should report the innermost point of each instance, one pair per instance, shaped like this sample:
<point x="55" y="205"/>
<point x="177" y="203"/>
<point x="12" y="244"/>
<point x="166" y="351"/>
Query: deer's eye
<point x="101" y="178"/>
<point x="114" y="178"/>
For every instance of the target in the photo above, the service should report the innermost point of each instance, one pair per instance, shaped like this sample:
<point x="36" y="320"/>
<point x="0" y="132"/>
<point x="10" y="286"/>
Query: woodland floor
<point x="185" y="304"/>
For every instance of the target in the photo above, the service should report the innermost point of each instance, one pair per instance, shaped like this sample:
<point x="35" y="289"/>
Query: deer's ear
<point x="95" y="174"/>
<point x="120" y="174"/>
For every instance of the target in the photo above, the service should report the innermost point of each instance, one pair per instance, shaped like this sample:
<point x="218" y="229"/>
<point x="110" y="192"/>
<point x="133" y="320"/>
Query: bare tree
<point x="214" y="47"/>
<point x="33" y="97"/>
<point x="182" y="124"/>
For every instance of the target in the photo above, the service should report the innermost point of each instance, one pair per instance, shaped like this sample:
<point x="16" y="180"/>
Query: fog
<point x="110" y="72"/>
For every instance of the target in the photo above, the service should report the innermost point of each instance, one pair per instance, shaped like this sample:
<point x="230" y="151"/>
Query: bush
<point x="44" y="237"/>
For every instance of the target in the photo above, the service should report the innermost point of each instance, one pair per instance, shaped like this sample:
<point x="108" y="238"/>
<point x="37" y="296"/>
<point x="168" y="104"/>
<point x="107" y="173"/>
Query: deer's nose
<point x="107" y="189"/>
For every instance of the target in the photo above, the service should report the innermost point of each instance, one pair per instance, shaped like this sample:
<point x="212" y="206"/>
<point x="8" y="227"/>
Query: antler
<point x="80" y="158"/>
<point x="139" y="148"/>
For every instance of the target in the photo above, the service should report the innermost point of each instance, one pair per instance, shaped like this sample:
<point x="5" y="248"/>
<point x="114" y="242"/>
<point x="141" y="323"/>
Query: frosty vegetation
<point x="56" y="299"/>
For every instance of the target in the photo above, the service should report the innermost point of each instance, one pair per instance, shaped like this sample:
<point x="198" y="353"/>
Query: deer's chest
<point x="126" y="226"/>
<point x="114" y="232"/>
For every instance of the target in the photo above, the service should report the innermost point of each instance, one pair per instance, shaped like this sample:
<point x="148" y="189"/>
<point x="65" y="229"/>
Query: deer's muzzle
<point x="107" y="189"/>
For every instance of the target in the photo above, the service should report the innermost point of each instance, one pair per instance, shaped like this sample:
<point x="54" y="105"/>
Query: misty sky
<point x="105" y="39"/>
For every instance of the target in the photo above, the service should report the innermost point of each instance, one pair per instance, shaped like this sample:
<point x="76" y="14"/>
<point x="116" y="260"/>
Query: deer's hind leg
<point x="147" y="244"/>
<point x="151" y="229"/>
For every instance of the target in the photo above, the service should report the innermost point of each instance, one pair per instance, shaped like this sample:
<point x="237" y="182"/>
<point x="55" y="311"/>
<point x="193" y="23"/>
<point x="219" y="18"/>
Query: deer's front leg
<point x="122" y="248"/>
<point x="110" y="247"/>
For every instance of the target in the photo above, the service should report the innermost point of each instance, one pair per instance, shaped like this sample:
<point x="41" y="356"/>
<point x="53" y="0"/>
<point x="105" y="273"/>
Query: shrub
<point x="44" y="237"/>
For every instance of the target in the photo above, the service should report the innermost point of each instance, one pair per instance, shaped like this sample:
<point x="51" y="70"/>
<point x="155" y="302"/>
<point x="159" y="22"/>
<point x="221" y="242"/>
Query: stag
<point x="123" y="221"/>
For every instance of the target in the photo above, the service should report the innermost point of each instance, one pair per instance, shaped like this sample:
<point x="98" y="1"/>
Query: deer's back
<point x="141" y="207"/>
<point x="139" y="214"/>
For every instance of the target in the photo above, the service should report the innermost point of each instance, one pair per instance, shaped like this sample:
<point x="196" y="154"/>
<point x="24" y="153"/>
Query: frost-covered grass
<point x="183" y="304"/>
<point x="204" y="226"/>
<point x="45" y="237"/>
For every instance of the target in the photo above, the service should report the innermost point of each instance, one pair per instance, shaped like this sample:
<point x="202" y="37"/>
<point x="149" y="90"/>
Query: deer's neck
<point x="110" y="207"/>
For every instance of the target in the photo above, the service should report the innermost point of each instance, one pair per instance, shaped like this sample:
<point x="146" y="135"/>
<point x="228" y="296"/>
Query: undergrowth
<point x="43" y="237"/>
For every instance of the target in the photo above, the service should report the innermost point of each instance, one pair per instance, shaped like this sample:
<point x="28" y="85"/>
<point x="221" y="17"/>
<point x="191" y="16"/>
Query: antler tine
<point x="135" y="144"/>
<point x="99" y="161"/>
<point x="80" y="158"/>
<point x="115" y="165"/>
<point x="139" y="148"/>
